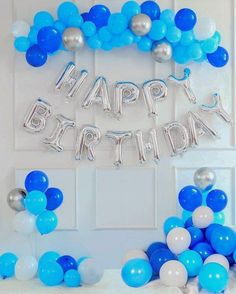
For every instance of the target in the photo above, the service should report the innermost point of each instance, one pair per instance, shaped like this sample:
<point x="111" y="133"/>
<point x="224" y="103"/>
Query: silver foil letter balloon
<point x="35" y="120"/>
<point x="98" y="94"/>
<point x="119" y="138"/>
<point x="87" y="139"/>
<point x="177" y="137"/>
<point x="125" y="93"/>
<point x="150" y="146"/>
<point x="63" y="124"/>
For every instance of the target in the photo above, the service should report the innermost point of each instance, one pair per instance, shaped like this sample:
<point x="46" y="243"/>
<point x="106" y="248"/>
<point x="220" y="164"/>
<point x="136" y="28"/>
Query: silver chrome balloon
<point x="35" y="120"/>
<point x="87" y="139"/>
<point x="177" y="137"/>
<point x="205" y="178"/>
<point x="185" y="83"/>
<point x="119" y="138"/>
<point x="73" y="39"/>
<point x="63" y="124"/>
<point x="125" y="93"/>
<point x="217" y="108"/>
<point x="162" y="52"/>
<point x="15" y="199"/>
<point x="154" y="91"/>
<point x="98" y="94"/>
<point x="141" y="24"/>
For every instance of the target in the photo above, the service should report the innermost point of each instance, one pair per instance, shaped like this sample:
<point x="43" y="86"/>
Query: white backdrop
<point x="107" y="211"/>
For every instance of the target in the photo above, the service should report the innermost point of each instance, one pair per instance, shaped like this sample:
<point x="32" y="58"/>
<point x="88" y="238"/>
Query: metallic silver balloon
<point x="15" y="199"/>
<point x="205" y="178"/>
<point x="141" y="24"/>
<point x="73" y="39"/>
<point x="162" y="52"/>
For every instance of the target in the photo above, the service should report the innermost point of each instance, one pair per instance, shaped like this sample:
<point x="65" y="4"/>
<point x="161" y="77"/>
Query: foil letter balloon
<point x="119" y="138"/>
<point x="198" y="127"/>
<point x="35" y="120"/>
<point x="87" y="139"/>
<point x="177" y="136"/>
<point x="63" y="124"/>
<point x="125" y="93"/>
<point x="154" y="91"/>
<point x="98" y="94"/>
<point x="143" y="147"/>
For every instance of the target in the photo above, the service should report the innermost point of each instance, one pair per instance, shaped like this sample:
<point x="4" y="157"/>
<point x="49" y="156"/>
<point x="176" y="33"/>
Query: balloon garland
<point x="197" y="245"/>
<point x="181" y="36"/>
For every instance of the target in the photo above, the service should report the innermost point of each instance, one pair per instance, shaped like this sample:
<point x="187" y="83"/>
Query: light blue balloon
<point x="192" y="262"/>
<point x="33" y="35"/>
<point x="75" y="20"/>
<point x="22" y="44"/>
<point x="219" y="218"/>
<point x="7" y="265"/>
<point x="72" y="278"/>
<point x="195" y="51"/>
<point x="35" y="202"/>
<point x="127" y="37"/>
<point x="117" y="23"/>
<point x="51" y="274"/>
<point x="187" y="38"/>
<point x="213" y="277"/>
<point x="145" y="44"/>
<point x="217" y="36"/>
<point x="171" y="223"/>
<point x="107" y="46"/>
<point x="94" y="42"/>
<point x="46" y="222"/>
<point x="180" y="54"/>
<point x="168" y="17"/>
<point x="59" y="25"/>
<point x="209" y="45"/>
<point x="89" y="29"/>
<point x="186" y="215"/>
<point x="130" y="9"/>
<point x="104" y="34"/>
<point x="136" y="272"/>
<point x="48" y="257"/>
<point x="67" y="10"/>
<point x="173" y="34"/>
<point x="158" y="30"/>
<point x="43" y="19"/>
<point x="234" y="255"/>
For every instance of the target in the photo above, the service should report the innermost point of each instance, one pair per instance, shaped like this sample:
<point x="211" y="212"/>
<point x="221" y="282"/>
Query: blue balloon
<point x="49" y="39"/>
<point x="219" y="58"/>
<point x="159" y="257"/>
<point x="187" y="38"/>
<point x="36" y="180"/>
<point x="171" y="223"/>
<point x="33" y="35"/>
<point x="51" y="274"/>
<point x="180" y="54"/>
<point x="35" y="202"/>
<point x="86" y="16"/>
<point x="130" y="9"/>
<point x="219" y="218"/>
<point x="35" y="56"/>
<point x="50" y="256"/>
<point x="223" y="240"/>
<point x="99" y="15"/>
<point x="230" y="259"/>
<point x="213" y="277"/>
<point x="54" y="198"/>
<point x="22" y="44"/>
<point x="192" y="262"/>
<point x="7" y="265"/>
<point x="43" y="19"/>
<point x="75" y="21"/>
<point x="127" y="37"/>
<point x="197" y="236"/>
<point x="190" y="197"/>
<point x="136" y="273"/>
<point x="59" y="25"/>
<point x="94" y="42"/>
<point x="173" y="34"/>
<point x="216" y="200"/>
<point x="67" y="263"/>
<point x="158" y="30"/>
<point x="217" y="37"/>
<point x="152" y="9"/>
<point x="195" y="51"/>
<point x="186" y="215"/>
<point x="104" y="34"/>
<point x="155" y="246"/>
<point x="117" y="23"/>
<point x="107" y="46"/>
<point x="145" y="44"/>
<point x="46" y="222"/>
<point x="72" y="278"/>
<point x="210" y="45"/>
<point x="209" y="231"/>
<point x="168" y="17"/>
<point x="66" y="10"/>
<point x="89" y="29"/>
<point x="234" y="255"/>
<point x="204" y="249"/>
<point x="188" y="223"/>
<point x="185" y="19"/>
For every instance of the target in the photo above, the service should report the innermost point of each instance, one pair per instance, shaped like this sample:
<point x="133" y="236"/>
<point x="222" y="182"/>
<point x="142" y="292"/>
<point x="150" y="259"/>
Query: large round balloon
<point x="218" y="258"/>
<point x="202" y="217"/>
<point x="190" y="198"/>
<point x="49" y="39"/>
<point x="35" y="56"/>
<point x="205" y="28"/>
<point x="192" y="261"/>
<point x="7" y="265"/>
<point x="99" y="15"/>
<point x="91" y="272"/>
<point x="155" y="246"/>
<point x="171" y="223"/>
<point x="48" y="257"/>
<point x="26" y="268"/>
<point x="173" y="274"/>
<point x="216" y="200"/>
<point x="178" y="240"/>
<point x="204" y="249"/>
<point x="67" y="262"/>
<point x="151" y="9"/>
<point x="136" y="273"/>
<point x="35" y="202"/>
<point x="196" y="236"/>
<point x="24" y="223"/>
<point x="219" y="58"/>
<point x="51" y="274"/>
<point x="36" y="180"/>
<point x="46" y="222"/>
<point x="159" y="257"/>
<point x="185" y="19"/>
<point x="223" y="240"/>
<point x="66" y="10"/>
<point x="209" y="231"/>
<point x="205" y="178"/>
<point x="54" y="198"/>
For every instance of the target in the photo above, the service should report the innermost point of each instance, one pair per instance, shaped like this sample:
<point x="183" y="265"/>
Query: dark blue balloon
<point x="197" y="236"/>
<point x="35" y="56"/>
<point x="185" y="19"/>
<point x="188" y="223"/>
<point x="99" y="15"/>
<point x="209" y="231"/>
<point x="155" y="246"/>
<point x="204" y="249"/>
<point x="36" y="180"/>
<point x="67" y="263"/>
<point x="216" y="200"/>
<point x="54" y="198"/>
<point x="190" y="197"/>
<point x="230" y="259"/>
<point x="151" y="8"/>
<point x="223" y="240"/>
<point x="159" y="257"/>
<point x="86" y="16"/>
<point x="219" y="58"/>
<point x="49" y="39"/>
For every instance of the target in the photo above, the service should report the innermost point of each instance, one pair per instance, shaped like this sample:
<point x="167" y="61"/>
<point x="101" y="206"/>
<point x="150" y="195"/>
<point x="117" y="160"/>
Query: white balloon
<point x="26" y="268"/>
<point x="218" y="258"/>
<point x="24" y="222"/>
<point x="91" y="272"/>
<point x="173" y="274"/>
<point x="204" y="28"/>
<point x="178" y="240"/>
<point x="134" y="254"/>
<point x="202" y="217"/>
<point x="20" y="28"/>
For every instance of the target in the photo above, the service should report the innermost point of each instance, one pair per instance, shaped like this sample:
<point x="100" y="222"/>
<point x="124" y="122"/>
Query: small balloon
<point x="216" y="200"/>
<point x="73" y="39"/>
<point x="205" y="178"/>
<point x="24" y="223"/>
<point x="178" y="240"/>
<point x="49" y="39"/>
<point x="218" y="258"/>
<point x="54" y="198"/>
<point x="162" y="52"/>
<point x="155" y="246"/>
<point x="151" y="8"/>
<point x="67" y="262"/>
<point x="7" y="265"/>
<point x="66" y="10"/>
<point x="72" y="278"/>
<point x="173" y="274"/>
<point x="190" y="198"/>
<point x="202" y="217"/>
<point x="20" y="28"/>
<point x="35" y="56"/>
<point x="171" y="223"/>
<point x="46" y="222"/>
<point x="43" y="19"/>
<point x="15" y="199"/>
<point x="35" y="202"/>
<point x="204" y="249"/>
<point x="51" y="274"/>
<point x="26" y="268"/>
<point x="36" y="181"/>
<point x="99" y="15"/>
<point x="196" y="236"/>
<point x="223" y="240"/>
<point x="204" y="29"/>
<point x="219" y="58"/>
<point x="141" y="24"/>
<point x="185" y="19"/>
<point x="192" y="262"/>
<point x="90" y="271"/>
<point x="160" y="257"/>
<point x="210" y="230"/>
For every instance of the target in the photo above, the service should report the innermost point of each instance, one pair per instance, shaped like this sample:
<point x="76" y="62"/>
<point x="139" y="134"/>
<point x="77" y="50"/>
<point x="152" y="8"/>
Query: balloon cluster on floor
<point x="52" y="269"/>
<point x="166" y="34"/>
<point x="35" y="206"/>
<point x="197" y="245"/>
